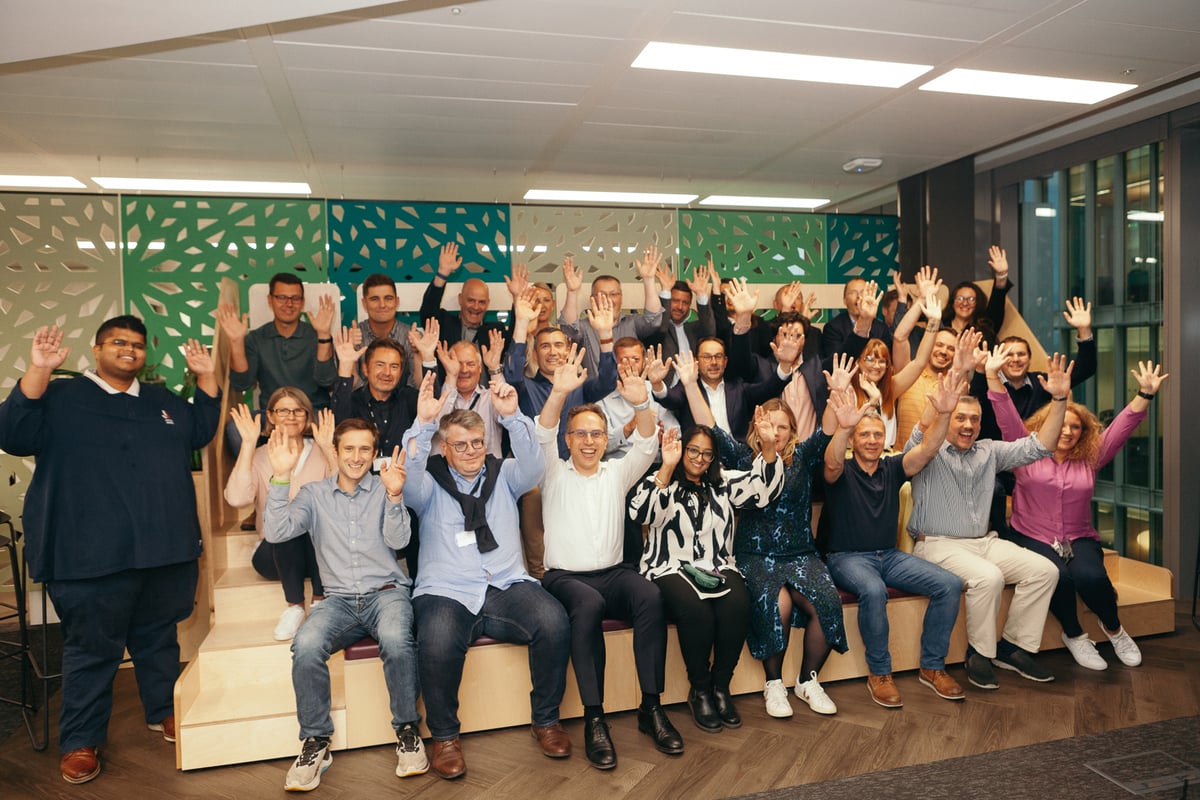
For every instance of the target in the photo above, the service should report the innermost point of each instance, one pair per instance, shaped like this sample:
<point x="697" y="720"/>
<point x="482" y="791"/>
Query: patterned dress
<point x="774" y="547"/>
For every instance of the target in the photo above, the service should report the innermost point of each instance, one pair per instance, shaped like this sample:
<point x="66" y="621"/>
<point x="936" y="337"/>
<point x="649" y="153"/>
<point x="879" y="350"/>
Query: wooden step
<point x="241" y="594"/>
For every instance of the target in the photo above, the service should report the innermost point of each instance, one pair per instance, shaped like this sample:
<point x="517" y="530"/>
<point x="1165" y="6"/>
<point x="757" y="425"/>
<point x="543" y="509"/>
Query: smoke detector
<point x="860" y="165"/>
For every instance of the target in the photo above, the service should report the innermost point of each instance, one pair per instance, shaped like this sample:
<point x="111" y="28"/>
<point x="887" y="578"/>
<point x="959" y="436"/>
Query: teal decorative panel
<point x="603" y="241"/>
<point x="177" y="249"/>
<point x="759" y="246"/>
<point x="403" y="240"/>
<point x="61" y="266"/>
<point x="863" y="246"/>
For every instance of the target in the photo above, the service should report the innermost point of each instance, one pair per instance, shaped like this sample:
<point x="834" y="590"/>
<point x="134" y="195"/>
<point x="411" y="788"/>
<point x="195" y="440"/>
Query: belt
<point x="920" y="537"/>
<point x="383" y="588"/>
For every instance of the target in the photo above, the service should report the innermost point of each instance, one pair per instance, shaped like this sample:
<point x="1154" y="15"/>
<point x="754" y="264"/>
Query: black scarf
<point x="473" y="508"/>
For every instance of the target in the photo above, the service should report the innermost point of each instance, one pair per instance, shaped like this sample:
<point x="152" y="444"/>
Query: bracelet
<point x="391" y="496"/>
<point x="497" y="371"/>
<point x="326" y="340"/>
<point x="658" y="482"/>
<point x="280" y="483"/>
<point x="642" y="406"/>
<point x="1063" y="399"/>
<point x="609" y="340"/>
<point x="1145" y="395"/>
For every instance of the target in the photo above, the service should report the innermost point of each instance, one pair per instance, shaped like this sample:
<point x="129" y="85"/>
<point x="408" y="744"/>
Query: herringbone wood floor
<point x="765" y="753"/>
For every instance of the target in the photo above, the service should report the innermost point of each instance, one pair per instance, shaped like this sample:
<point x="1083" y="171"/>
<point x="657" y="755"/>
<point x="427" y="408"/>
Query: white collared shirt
<point x="134" y="390"/>
<point x="716" y="403"/>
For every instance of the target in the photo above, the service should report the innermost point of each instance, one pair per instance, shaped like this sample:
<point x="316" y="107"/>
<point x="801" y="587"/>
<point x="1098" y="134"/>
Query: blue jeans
<point x="524" y="613"/>
<point x="341" y="621"/>
<point x="869" y="574"/>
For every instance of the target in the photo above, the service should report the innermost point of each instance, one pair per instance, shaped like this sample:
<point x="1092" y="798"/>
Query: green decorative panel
<point x="177" y="249"/>
<point x="62" y="267"/>
<point x="604" y="241"/>
<point x="759" y="246"/>
<point x="863" y="247"/>
<point x="403" y="240"/>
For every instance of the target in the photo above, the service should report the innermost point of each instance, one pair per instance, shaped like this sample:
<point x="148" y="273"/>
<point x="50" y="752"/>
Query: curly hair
<point x="1088" y="447"/>
<point x="789" y="449"/>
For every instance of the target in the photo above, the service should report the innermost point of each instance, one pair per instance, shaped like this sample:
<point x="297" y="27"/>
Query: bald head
<point x="473" y="302"/>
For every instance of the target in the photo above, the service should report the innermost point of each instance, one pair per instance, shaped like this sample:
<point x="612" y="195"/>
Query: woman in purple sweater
<point x="1052" y="505"/>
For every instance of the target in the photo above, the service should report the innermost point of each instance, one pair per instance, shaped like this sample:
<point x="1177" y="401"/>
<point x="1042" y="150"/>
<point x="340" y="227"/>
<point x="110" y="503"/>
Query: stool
<point x="21" y="650"/>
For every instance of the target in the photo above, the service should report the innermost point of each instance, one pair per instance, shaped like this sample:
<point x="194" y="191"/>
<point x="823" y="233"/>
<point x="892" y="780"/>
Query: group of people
<point x="644" y="466"/>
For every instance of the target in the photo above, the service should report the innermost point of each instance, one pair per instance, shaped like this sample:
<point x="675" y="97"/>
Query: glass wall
<point x="1095" y="231"/>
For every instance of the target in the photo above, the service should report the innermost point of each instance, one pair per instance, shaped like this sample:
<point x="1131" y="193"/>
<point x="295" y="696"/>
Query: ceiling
<point x="480" y="101"/>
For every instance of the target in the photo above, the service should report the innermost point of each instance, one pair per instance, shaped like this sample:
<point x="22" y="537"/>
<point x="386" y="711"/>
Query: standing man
<point x="584" y="552"/>
<point x="473" y="300"/>
<point x="838" y="329"/>
<point x="472" y="580"/>
<point x="110" y="520"/>
<point x="951" y="500"/>
<point x="357" y="521"/>
<point x="858" y="535"/>
<point x="676" y="334"/>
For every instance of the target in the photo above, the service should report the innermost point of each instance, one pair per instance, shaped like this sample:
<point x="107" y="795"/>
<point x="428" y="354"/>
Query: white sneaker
<point x="1125" y="648"/>
<point x="776" y="695"/>
<point x="410" y="753"/>
<point x="811" y="692"/>
<point x="314" y="603"/>
<point x="289" y="622"/>
<point x="1083" y="650"/>
<point x="305" y="773"/>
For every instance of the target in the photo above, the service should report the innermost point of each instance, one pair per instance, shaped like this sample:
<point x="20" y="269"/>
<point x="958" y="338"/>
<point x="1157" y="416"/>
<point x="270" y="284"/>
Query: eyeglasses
<point x="461" y="447"/>
<point x="290" y="412"/>
<point x="587" y="436"/>
<point x="875" y="359"/>
<point x="711" y="357"/>
<point x="289" y="299"/>
<point x="700" y="455"/>
<point x="121" y="344"/>
<point x="965" y="300"/>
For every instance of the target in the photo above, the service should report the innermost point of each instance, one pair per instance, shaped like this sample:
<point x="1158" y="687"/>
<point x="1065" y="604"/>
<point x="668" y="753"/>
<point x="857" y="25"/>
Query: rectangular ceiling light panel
<point x="571" y="196"/>
<point x="200" y="186"/>
<point x="742" y="201"/>
<point x="1025" y="87"/>
<point x="781" y="66"/>
<point x="41" y="182"/>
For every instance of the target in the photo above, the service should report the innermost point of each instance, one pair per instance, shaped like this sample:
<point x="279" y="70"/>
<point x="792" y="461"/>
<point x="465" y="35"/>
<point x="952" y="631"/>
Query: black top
<point x="861" y="511"/>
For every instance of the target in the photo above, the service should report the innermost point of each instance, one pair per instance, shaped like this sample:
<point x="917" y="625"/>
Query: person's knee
<point x="988" y="582"/>
<point x="586" y="609"/>
<point x="309" y="646"/>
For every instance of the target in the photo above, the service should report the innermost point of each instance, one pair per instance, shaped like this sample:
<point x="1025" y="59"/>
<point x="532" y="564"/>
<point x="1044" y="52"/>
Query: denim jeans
<point x="868" y="574"/>
<point x="524" y="613"/>
<point x="340" y="621"/>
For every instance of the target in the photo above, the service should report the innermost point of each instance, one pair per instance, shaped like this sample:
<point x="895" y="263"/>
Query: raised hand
<point x="247" y="426"/>
<point x="665" y="273"/>
<point x="672" y="448"/>
<point x="998" y="261"/>
<point x="234" y="327"/>
<point x="570" y="375"/>
<point x="685" y="367"/>
<point x="965" y="350"/>
<point x="874" y="396"/>
<point x="449" y="363"/>
<point x="810" y="307"/>
<point x="740" y="297"/>
<point x="868" y="301"/>
<point x="648" y="265"/>
<point x="1148" y="377"/>
<point x="283" y="452"/>
<point x="632" y="385"/>
<point x="787" y="353"/>
<point x="931" y="306"/>
<point x="347" y="344"/>
<point x="322" y="429"/>
<point x="425" y="340"/>
<point x="493" y="350"/>
<point x="714" y="276"/>
<point x="602" y="315"/>
<point x="1079" y="315"/>
<point x="504" y="397"/>
<point x="428" y="403"/>
<point x="949" y="389"/>
<point x="1058" y="376"/>
<point x="1001" y="354"/>
<point x="448" y="260"/>
<point x="656" y="369"/>
<point x="198" y="359"/>
<point x="844" y="370"/>
<point x="46" y="352"/>
<point x="322" y="321"/>
<point x="572" y="277"/>
<point x="699" y="282"/>
<point x="846" y="410"/>
<point x="791" y="293"/>
<point x="927" y="281"/>
<point x="518" y="281"/>
<point x="766" y="433"/>
<point x="392" y="472"/>
<point x="525" y="306"/>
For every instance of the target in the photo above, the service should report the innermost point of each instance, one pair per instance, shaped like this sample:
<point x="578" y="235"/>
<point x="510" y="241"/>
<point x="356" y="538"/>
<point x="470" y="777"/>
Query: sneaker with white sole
<point x="811" y="692"/>
<point x="1024" y="665"/>
<point x="1125" y="648"/>
<point x="305" y="773"/>
<point x="289" y="622"/>
<point x="410" y="753"/>
<point x="776" y="695"/>
<point x="314" y="603"/>
<point x="1083" y="650"/>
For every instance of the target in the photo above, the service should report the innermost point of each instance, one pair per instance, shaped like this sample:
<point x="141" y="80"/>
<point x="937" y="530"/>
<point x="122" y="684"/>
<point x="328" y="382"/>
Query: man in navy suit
<point x="473" y="299"/>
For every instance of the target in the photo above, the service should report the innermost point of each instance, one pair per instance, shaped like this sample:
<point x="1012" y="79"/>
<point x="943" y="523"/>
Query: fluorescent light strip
<point x="1043" y="211"/>
<point x="782" y="66"/>
<point x="1025" y="87"/>
<point x="41" y="182"/>
<point x="807" y="203"/>
<point x="1144" y="216"/>
<point x="569" y="196"/>
<point x="209" y="187"/>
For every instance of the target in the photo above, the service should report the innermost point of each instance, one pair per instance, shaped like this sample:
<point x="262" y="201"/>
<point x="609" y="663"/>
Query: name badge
<point x="465" y="539"/>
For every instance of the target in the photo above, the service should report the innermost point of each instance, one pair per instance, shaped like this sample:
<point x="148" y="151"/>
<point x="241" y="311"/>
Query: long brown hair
<point x="1088" y="447"/>
<point x="775" y="404"/>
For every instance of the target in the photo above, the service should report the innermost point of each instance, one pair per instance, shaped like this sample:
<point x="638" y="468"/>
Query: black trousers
<point x="715" y="626"/>
<point x="290" y="563"/>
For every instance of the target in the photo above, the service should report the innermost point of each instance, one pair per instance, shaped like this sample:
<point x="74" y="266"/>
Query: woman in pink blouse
<point x="1052" y="512"/>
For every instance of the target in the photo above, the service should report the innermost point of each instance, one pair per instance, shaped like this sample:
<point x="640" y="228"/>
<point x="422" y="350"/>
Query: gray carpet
<point x="1044" y="771"/>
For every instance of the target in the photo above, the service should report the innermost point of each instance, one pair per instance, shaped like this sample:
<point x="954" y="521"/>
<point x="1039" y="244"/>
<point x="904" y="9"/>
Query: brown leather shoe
<point x="80" y="766"/>
<point x="166" y="727"/>
<point x="883" y="691"/>
<point x="553" y="739"/>
<point x="941" y="683"/>
<point x="446" y="759"/>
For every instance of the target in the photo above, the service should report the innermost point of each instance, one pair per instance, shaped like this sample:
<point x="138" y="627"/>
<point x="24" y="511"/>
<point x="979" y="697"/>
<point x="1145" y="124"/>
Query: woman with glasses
<point x="688" y="506"/>
<point x="970" y="308"/>
<point x="291" y="562"/>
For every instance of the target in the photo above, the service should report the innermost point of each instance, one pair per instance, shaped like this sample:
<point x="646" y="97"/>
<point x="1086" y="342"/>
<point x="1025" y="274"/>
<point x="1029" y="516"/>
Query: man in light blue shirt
<point x="471" y="576"/>
<point x="357" y="521"/>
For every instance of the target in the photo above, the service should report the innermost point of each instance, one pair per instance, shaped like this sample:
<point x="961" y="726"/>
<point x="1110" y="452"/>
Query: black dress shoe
<point x="654" y="721"/>
<point x="598" y="744"/>
<point x="726" y="711"/>
<point x="704" y="711"/>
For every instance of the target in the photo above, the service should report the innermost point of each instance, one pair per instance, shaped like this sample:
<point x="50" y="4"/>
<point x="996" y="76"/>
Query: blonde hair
<point x="1087" y="449"/>
<point x="789" y="449"/>
<point x="300" y="397"/>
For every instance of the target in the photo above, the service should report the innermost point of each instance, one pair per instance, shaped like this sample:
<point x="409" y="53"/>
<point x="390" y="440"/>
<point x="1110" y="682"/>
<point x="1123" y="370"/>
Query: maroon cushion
<point x="369" y="648"/>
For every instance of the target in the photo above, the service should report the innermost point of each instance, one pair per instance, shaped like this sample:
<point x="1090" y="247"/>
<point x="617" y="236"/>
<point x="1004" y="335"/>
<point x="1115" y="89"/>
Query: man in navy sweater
<point x="110" y="520"/>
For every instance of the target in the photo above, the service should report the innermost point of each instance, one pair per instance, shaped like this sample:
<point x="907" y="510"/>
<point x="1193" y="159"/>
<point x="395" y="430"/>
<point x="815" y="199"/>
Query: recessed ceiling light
<point x="205" y="187"/>
<point x="569" y="196"/>
<point x="1025" y="87"/>
<point x="806" y="203"/>
<point x="783" y="66"/>
<point x="41" y="182"/>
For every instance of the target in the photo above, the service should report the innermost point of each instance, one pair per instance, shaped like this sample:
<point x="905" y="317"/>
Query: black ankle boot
<point x="726" y="711"/>
<point x="704" y="710"/>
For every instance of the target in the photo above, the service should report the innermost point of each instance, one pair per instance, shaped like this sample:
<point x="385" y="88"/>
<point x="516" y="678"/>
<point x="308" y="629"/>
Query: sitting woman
<point x="970" y="308"/>
<point x="1052" y="505"/>
<point x="291" y="562"/>
<point x="788" y="583"/>
<point x="688" y="506"/>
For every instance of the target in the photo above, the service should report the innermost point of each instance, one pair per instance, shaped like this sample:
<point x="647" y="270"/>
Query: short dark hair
<point x="587" y="408"/>
<point x="629" y="341"/>
<point x="682" y="286"/>
<point x="1020" y="339"/>
<point x="285" y="278"/>
<point x="716" y="339"/>
<point x="377" y="279"/>
<point x="550" y="329"/>
<point x="387" y="344"/>
<point x="355" y="424"/>
<point x="712" y="475"/>
<point x="125" y="322"/>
